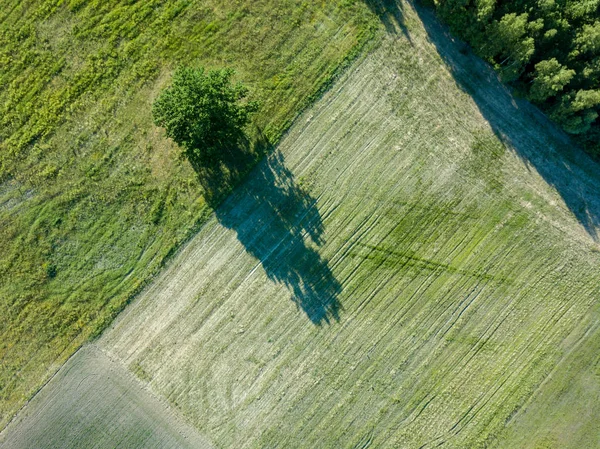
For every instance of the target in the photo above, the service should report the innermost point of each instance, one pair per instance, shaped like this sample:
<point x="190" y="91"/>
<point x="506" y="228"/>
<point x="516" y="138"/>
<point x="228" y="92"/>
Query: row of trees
<point x="549" y="50"/>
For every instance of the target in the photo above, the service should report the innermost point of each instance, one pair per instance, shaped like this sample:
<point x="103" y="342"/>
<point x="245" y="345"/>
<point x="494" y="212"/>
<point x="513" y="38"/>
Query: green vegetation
<point x="563" y="412"/>
<point x="406" y="270"/>
<point x="549" y="50"/>
<point x="202" y="113"/>
<point x="93" y="198"/>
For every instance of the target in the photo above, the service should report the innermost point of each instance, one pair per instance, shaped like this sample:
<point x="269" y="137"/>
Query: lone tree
<point x="203" y="112"/>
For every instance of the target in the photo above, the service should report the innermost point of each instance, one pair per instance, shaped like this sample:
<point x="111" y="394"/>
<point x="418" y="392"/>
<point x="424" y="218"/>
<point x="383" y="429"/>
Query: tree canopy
<point x="547" y="49"/>
<point x="203" y="112"/>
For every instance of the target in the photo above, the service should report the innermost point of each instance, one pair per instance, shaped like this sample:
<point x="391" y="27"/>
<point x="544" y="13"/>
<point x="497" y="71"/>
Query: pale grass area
<point x="93" y="402"/>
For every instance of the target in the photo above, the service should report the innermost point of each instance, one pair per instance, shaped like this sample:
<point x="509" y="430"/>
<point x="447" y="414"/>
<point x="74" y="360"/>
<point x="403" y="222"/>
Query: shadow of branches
<point x="391" y="15"/>
<point x="218" y="175"/>
<point x="276" y="221"/>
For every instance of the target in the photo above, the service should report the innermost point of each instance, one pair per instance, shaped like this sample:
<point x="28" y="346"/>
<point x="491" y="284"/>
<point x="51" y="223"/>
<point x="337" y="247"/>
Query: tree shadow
<point x="546" y="149"/>
<point x="278" y="223"/>
<point x="218" y="173"/>
<point x="391" y="15"/>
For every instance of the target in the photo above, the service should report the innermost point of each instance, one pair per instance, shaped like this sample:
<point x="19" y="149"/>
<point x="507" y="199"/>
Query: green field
<point x="93" y="402"/>
<point x="414" y="265"/>
<point x="564" y="410"/>
<point x="93" y="198"/>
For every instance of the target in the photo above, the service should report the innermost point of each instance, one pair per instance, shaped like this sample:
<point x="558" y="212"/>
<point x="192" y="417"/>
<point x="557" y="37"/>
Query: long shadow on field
<point x="390" y="14"/>
<point x="278" y="223"/>
<point x="218" y="177"/>
<point x="522" y="127"/>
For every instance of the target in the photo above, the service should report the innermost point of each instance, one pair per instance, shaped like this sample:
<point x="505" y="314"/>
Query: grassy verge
<point x="93" y="199"/>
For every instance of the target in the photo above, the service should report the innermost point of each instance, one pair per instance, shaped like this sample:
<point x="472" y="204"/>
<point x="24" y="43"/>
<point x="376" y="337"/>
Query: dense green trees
<point x="549" y="79"/>
<point x="203" y="113"/>
<point x="549" y="50"/>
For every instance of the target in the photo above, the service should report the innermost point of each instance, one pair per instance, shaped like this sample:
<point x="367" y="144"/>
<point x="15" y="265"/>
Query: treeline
<point x="549" y="50"/>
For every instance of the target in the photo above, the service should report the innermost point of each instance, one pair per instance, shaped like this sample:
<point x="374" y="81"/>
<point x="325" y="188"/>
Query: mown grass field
<point x="95" y="403"/>
<point x="564" y="410"/>
<point x="92" y="197"/>
<point x="415" y="266"/>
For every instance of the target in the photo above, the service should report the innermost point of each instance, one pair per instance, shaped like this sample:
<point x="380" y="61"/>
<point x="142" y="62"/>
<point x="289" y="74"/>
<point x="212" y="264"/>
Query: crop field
<point x="93" y="199"/>
<point x="89" y="392"/>
<point x="414" y="266"/>
<point x="564" y="411"/>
